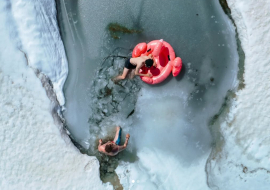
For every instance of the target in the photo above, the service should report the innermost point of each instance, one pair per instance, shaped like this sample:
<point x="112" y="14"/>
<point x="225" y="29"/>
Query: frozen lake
<point x="169" y="127"/>
<point x="206" y="129"/>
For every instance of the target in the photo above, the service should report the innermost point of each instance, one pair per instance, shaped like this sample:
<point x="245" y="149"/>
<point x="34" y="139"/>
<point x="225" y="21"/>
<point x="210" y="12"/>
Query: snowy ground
<point x="35" y="153"/>
<point x="244" y="162"/>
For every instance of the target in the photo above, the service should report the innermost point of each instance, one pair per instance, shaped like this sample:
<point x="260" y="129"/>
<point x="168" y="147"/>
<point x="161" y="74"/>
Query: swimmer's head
<point x="149" y="63"/>
<point x="108" y="148"/>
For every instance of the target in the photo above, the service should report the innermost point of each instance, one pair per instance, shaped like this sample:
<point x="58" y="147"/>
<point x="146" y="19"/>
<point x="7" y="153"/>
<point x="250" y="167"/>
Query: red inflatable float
<point x="164" y="56"/>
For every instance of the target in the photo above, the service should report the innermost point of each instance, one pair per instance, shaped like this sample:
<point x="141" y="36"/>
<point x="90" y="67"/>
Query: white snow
<point x="34" y="153"/>
<point x="40" y="39"/>
<point x="244" y="162"/>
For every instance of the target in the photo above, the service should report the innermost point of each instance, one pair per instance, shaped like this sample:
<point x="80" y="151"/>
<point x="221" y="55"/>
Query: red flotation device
<point x="164" y="56"/>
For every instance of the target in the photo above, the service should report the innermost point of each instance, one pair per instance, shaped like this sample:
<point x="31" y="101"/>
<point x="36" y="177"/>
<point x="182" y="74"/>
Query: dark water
<point x="200" y="33"/>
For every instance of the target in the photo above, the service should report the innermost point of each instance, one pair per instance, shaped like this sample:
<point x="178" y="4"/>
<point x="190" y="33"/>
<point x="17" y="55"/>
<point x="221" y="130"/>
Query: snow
<point x="40" y="39"/>
<point x="243" y="162"/>
<point x="35" y="152"/>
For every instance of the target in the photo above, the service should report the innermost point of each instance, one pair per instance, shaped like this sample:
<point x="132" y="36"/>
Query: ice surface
<point x="148" y="173"/>
<point x="35" y="151"/>
<point x="85" y="37"/>
<point x="110" y="102"/>
<point x="242" y="159"/>
<point x="170" y="119"/>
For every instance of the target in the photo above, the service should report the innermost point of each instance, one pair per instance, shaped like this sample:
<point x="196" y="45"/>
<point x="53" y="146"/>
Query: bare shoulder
<point x="101" y="148"/>
<point x="139" y="66"/>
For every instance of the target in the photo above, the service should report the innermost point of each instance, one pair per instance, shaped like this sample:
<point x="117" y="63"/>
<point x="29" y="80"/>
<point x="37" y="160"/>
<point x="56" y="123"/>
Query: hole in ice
<point x="106" y="104"/>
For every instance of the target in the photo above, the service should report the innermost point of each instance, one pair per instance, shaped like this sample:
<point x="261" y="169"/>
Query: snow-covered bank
<point x="243" y="162"/>
<point x="33" y="153"/>
<point x="40" y="39"/>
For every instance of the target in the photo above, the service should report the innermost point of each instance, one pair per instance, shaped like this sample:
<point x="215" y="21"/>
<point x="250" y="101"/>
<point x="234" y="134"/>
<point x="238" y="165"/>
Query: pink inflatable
<point x="164" y="57"/>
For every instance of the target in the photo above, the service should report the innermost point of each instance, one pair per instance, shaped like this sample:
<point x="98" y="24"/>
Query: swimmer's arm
<point x="120" y="148"/>
<point x="142" y="75"/>
<point x="139" y="74"/>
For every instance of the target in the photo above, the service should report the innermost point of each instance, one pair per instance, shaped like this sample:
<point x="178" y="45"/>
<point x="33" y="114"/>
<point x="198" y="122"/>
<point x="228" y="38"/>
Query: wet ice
<point x="110" y="100"/>
<point x="170" y="119"/>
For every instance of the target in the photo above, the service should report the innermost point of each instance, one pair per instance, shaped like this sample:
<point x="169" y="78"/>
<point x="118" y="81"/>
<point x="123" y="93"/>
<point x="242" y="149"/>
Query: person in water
<point x="112" y="148"/>
<point x="135" y="65"/>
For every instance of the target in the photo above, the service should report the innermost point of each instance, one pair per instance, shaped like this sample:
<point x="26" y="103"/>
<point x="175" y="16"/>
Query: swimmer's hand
<point x="100" y="141"/>
<point x="149" y="75"/>
<point x="126" y="142"/>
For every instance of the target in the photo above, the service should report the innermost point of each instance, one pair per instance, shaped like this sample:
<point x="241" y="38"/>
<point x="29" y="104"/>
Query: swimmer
<point x="135" y="64"/>
<point x="112" y="148"/>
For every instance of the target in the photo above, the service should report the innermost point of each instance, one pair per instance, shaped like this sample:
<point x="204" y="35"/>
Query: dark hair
<point x="149" y="63"/>
<point x="108" y="148"/>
